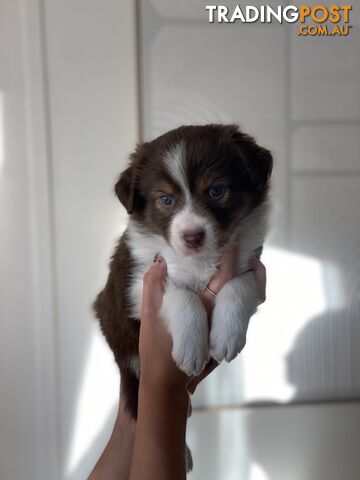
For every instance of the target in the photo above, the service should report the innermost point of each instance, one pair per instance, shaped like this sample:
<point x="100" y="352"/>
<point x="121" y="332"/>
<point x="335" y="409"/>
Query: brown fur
<point x="120" y="330"/>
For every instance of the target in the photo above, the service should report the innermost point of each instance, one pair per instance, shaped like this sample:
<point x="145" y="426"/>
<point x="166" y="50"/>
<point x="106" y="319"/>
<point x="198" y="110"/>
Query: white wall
<point x="91" y="72"/>
<point x="28" y="408"/>
<point x="68" y="119"/>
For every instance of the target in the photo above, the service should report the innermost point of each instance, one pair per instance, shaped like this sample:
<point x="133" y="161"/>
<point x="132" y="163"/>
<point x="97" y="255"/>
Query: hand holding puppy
<point x="155" y="345"/>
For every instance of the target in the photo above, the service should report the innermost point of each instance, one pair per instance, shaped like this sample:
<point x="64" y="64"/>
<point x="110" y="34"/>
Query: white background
<point x="68" y="119"/>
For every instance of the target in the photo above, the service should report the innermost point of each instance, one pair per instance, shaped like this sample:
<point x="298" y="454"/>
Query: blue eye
<point x="216" y="192"/>
<point x="166" y="200"/>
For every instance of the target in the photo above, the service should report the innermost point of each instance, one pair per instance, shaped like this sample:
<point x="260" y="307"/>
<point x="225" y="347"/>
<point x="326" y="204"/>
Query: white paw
<point x="190" y="352"/>
<point x="235" y="304"/>
<point x="187" y="322"/>
<point x="224" y="345"/>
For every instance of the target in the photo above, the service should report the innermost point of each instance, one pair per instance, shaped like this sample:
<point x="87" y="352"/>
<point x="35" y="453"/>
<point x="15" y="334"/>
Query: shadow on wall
<point x="321" y="343"/>
<point x="280" y="439"/>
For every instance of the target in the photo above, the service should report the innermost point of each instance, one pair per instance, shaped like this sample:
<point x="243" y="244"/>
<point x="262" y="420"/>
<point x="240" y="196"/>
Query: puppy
<point x="189" y="193"/>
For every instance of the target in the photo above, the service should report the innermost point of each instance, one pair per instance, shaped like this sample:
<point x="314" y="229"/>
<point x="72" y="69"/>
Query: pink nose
<point x="193" y="238"/>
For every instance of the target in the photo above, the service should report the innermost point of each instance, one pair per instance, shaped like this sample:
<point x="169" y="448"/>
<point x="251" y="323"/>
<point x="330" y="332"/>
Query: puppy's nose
<point x="194" y="238"/>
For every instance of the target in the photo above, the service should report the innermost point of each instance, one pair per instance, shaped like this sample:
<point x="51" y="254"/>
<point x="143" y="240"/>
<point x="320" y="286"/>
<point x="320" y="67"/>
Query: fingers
<point x="156" y="272"/>
<point x="227" y="264"/>
<point x="260" y="275"/>
<point x="227" y="269"/>
<point x="210" y="366"/>
<point x="224" y="274"/>
<point x="153" y="286"/>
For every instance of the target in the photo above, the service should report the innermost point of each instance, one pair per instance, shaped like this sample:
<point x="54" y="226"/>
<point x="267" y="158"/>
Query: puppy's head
<point x="195" y="184"/>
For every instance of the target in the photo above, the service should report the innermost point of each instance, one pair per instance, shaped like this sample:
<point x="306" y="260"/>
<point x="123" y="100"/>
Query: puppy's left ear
<point x="260" y="166"/>
<point x="124" y="189"/>
<point x="257" y="161"/>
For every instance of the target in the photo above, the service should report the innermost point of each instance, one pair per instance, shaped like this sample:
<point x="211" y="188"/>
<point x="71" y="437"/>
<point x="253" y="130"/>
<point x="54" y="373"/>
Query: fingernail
<point x="158" y="258"/>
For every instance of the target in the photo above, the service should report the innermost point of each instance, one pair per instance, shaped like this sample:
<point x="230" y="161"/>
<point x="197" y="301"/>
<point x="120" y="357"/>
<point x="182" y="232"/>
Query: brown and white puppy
<point x="189" y="193"/>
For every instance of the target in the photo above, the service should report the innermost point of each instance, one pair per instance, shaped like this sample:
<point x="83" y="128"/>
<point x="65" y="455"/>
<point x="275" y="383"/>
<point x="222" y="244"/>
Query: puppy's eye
<point x="166" y="200"/>
<point x="216" y="191"/>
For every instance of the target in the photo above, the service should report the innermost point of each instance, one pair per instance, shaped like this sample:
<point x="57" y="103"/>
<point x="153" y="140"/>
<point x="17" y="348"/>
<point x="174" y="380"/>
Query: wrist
<point x="165" y="401"/>
<point x="162" y="373"/>
<point x="158" y="385"/>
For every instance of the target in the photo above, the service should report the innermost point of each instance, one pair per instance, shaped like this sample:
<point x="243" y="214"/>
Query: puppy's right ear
<point x="124" y="189"/>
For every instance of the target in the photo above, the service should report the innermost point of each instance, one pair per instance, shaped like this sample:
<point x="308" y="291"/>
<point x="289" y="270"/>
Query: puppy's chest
<point x="193" y="274"/>
<point x="190" y="272"/>
<point x="185" y="272"/>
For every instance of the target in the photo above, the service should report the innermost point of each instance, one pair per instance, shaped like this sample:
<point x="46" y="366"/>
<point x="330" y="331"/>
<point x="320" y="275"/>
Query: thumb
<point x="153" y="286"/>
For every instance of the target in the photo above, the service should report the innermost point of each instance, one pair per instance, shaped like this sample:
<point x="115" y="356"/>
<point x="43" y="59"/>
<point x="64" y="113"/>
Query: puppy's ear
<point x="124" y="189"/>
<point x="258" y="161"/>
<point x="260" y="166"/>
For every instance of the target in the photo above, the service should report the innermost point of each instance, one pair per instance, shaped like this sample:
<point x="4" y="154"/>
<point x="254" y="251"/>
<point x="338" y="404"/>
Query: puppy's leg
<point x="235" y="304"/>
<point x="186" y="320"/>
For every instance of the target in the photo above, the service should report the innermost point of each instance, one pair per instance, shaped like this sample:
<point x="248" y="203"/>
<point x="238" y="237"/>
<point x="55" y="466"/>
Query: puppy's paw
<point x="190" y="352"/>
<point x="187" y="322"/>
<point x="225" y="345"/>
<point x="235" y="304"/>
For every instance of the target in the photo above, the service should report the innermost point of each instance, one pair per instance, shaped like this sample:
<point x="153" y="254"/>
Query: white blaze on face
<point x="186" y="220"/>
<point x="175" y="160"/>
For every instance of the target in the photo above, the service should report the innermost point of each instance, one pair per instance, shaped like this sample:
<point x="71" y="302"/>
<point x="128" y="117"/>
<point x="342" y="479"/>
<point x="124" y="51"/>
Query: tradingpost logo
<point x="318" y="20"/>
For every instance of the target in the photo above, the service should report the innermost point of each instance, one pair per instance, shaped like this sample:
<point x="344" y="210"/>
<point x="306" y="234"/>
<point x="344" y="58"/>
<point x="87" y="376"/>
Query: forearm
<point x="115" y="461"/>
<point x="159" y="449"/>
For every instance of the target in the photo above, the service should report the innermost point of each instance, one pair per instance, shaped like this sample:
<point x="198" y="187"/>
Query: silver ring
<point x="210" y="291"/>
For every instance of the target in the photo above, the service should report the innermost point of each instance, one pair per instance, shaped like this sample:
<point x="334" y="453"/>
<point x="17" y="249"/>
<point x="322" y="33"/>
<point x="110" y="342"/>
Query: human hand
<point x="226" y="273"/>
<point x="260" y="275"/>
<point x="155" y="342"/>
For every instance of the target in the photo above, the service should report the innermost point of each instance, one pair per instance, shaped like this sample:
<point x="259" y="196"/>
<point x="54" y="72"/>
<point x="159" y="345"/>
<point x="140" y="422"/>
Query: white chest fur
<point x="192" y="272"/>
